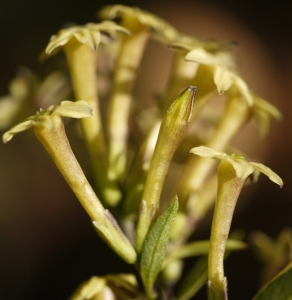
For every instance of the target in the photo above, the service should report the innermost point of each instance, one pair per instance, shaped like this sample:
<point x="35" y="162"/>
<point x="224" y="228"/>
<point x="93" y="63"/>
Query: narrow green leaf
<point x="279" y="288"/>
<point x="154" y="248"/>
<point x="200" y="248"/>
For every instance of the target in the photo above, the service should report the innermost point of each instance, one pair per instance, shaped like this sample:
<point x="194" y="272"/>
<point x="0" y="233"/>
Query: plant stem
<point x="57" y="145"/>
<point x="130" y="55"/>
<point x="81" y="60"/>
<point x="229" y="188"/>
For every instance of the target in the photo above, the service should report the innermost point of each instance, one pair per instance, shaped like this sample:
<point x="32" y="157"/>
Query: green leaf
<point x="279" y="288"/>
<point x="200" y="248"/>
<point x="154" y="248"/>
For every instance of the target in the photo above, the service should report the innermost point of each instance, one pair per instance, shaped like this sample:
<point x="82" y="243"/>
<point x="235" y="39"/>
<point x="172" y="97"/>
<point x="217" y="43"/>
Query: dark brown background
<point x="48" y="245"/>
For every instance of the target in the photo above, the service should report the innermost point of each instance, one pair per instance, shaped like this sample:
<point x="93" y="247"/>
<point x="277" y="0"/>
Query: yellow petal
<point x="8" y="135"/>
<point x="165" y="30"/>
<point x="89" y="34"/>
<point x="78" y="109"/>
<point x="242" y="168"/>
<point x="268" y="172"/>
<point x="223" y="79"/>
<point x="201" y="56"/>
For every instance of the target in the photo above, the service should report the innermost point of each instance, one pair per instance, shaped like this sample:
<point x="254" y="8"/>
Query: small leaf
<point x="279" y="288"/>
<point x="200" y="248"/>
<point x="154" y="248"/>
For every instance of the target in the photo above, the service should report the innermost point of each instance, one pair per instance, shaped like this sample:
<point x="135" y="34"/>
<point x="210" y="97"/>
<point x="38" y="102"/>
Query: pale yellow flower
<point x="165" y="30"/>
<point x="51" y="117"/>
<point x="242" y="168"/>
<point x="91" y="34"/>
<point x="223" y="65"/>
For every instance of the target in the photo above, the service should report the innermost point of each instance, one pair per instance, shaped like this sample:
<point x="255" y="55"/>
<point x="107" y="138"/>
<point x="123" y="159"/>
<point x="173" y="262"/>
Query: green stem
<point x="229" y="188"/>
<point x="129" y="59"/>
<point x="57" y="145"/>
<point x="81" y="60"/>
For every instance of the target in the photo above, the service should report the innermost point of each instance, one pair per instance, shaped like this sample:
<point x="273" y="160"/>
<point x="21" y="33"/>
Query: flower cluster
<point x="152" y="230"/>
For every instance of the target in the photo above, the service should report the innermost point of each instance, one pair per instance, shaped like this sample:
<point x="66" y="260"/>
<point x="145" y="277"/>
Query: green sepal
<point x="279" y="288"/>
<point x="154" y="248"/>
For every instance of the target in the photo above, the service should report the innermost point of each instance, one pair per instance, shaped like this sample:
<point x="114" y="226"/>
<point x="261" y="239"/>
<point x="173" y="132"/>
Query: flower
<point x="91" y="34"/>
<point x="242" y="168"/>
<point x="210" y="52"/>
<point x="233" y="172"/>
<point x="165" y="30"/>
<point x="222" y="64"/>
<point x="49" y="129"/>
<point x="51" y="117"/>
<point x="79" y="44"/>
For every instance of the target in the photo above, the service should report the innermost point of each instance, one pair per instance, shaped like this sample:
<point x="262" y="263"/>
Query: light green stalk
<point x="57" y="145"/>
<point x="229" y="188"/>
<point x="81" y="60"/>
<point x="172" y="128"/>
<point x="79" y="43"/>
<point x="233" y="172"/>
<point x="128" y="61"/>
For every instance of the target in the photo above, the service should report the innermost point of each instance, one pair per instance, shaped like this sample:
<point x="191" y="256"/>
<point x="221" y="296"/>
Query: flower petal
<point x="26" y="124"/>
<point x="164" y="29"/>
<point x="242" y="168"/>
<point x="89" y="34"/>
<point x="78" y="109"/>
<point x="243" y="89"/>
<point x="223" y="79"/>
<point x="268" y="172"/>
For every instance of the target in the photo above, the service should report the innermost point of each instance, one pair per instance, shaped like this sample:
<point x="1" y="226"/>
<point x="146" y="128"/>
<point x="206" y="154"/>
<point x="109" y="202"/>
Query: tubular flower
<point x="49" y="129"/>
<point x="233" y="172"/>
<point x="79" y="44"/>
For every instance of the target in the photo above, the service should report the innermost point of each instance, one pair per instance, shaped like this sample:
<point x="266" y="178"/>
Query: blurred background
<point x="48" y="245"/>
